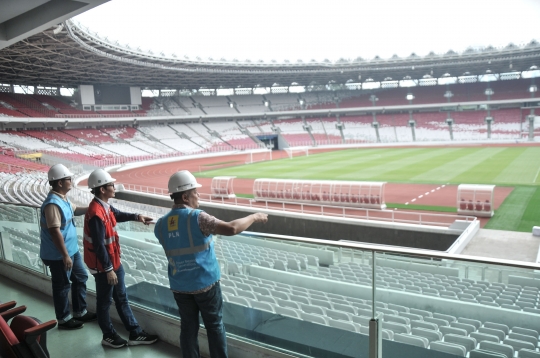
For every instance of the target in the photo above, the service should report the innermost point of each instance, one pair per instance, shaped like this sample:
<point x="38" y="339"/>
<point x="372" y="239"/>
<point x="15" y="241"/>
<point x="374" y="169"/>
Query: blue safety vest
<point x="192" y="260"/>
<point x="67" y="227"/>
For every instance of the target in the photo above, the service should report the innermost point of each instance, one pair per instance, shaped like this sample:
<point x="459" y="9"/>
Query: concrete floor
<point x="509" y="245"/>
<point x="85" y="342"/>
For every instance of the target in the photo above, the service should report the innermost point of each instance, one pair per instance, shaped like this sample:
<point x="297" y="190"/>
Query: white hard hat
<point x="58" y="171"/>
<point x="182" y="181"/>
<point x="99" y="177"/>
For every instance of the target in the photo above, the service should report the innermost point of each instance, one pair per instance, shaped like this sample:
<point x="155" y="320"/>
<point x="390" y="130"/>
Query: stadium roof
<point x="69" y="55"/>
<point x="20" y="19"/>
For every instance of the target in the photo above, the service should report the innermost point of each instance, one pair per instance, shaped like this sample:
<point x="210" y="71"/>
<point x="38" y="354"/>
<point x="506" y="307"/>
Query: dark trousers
<point x="63" y="281"/>
<point x="210" y="305"/>
<point x="105" y="293"/>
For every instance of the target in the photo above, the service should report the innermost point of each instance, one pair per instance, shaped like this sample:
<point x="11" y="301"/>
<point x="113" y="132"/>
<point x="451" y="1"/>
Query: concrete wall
<point x="318" y="227"/>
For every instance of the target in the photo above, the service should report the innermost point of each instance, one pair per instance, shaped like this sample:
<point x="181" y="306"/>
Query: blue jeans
<point x="104" y="294"/>
<point x="210" y="305"/>
<point x="62" y="281"/>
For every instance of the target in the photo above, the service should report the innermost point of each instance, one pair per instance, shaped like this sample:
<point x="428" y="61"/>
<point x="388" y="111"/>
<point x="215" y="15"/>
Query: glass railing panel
<point x="20" y="235"/>
<point x="442" y="303"/>
<point x="295" y="297"/>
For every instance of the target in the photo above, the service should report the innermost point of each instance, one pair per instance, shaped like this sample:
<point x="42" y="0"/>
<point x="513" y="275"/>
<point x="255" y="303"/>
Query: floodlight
<point x="533" y="88"/>
<point x="409" y="96"/>
<point x="231" y="104"/>
<point x="448" y="94"/>
<point x="489" y="92"/>
<point x="266" y="103"/>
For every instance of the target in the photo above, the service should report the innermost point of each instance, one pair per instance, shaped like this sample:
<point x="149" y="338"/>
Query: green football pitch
<point x="518" y="167"/>
<point x="473" y="165"/>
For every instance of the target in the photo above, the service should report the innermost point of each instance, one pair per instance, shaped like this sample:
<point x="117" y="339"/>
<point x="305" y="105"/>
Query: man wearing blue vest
<point x="60" y="251"/>
<point x="186" y="236"/>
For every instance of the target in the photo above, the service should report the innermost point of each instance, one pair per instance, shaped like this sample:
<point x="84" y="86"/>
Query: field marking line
<point x="407" y="203"/>
<point x="427" y="193"/>
<point x="438" y="188"/>
<point x="412" y="201"/>
<point x="536" y="176"/>
<point x="420" y="196"/>
<point x="433" y="190"/>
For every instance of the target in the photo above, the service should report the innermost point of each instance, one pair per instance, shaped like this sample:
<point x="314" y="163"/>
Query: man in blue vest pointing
<point x="186" y="236"/>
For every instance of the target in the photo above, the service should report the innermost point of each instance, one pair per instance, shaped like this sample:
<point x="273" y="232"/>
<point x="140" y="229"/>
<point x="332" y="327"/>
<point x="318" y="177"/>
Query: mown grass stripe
<point x="509" y="215"/>
<point x="531" y="214"/>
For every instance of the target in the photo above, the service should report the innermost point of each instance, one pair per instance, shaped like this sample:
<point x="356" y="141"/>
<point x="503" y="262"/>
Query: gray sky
<point x="314" y="29"/>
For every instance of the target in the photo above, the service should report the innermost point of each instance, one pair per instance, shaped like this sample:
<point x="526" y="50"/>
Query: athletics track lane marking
<point x="428" y="192"/>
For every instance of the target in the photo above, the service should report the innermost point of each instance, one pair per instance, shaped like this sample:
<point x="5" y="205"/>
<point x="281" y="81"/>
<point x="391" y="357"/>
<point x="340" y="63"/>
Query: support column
<point x="375" y="125"/>
<point x="489" y="121"/>
<point x="450" y="123"/>
<point x="340" y="127"/>
<point x="531" y="128"/>
<point x="375" y="337"/>
<point x="412" y="124"/>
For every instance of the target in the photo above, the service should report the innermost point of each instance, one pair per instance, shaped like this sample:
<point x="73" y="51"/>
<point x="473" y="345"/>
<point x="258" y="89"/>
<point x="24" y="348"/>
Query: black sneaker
<point x="114" y="341"/>
<point x="71" y="324"/>
<point x="141" y="338"/>
<point x="88" y="317"/>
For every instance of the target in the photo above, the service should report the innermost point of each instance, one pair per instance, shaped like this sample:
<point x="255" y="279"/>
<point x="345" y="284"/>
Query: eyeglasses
<point x="110" y="185"/>
<point x="67" y="179"/>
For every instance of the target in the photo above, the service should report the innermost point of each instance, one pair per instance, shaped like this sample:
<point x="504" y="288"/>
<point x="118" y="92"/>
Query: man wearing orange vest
<point x="102" y="256"/>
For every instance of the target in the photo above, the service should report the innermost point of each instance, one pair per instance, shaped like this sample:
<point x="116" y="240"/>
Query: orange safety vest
<point x="112" y="241"/>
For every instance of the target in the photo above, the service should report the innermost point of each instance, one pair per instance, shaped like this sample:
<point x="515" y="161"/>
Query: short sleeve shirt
<point x="52" y="212"/>
<point x="207" y="222"/>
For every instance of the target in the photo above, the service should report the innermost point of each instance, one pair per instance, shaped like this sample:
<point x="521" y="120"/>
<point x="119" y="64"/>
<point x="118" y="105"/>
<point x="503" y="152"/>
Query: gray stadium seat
<point x="527" y="331"/>
<point x="289" y="312"/>
<point x="476" y="323"/>
<point x="482" y="353"/>
<point x="484" y="337"/>
<point x="453" y="330"/>
<point x="397" y="319"/>
<point x="468" y="327"/>
<point x="338" y="315"/>
<point x="422" y="313"/>
<point x="495" y="332"/>
<point x="518" y="344"/>
<point x="314" y="318"/>
<point x="396" y="327"/>
<point x="527" y="353"/>
<point x="524" y="337"/>
<point x="422" y="324"/>
<point x="451" y="348"/>
<point x="263" y="306"/>
<point x="429" y="334"/>
<point x="348" y="326"/>
<point x="468" y="342"/>
<point x="240" y="301"/>
<point x="507" y="350"/>
<point x="313" y="309"/>
<point x="498" y="326"/>
<point x="412" y="340"/>
<point x="438" y="321"/>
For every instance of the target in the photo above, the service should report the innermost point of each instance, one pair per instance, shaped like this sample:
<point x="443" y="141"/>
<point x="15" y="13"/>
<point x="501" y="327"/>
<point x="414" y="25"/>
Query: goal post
<point x="255" y="156"/>
<point x="297" y="152"/>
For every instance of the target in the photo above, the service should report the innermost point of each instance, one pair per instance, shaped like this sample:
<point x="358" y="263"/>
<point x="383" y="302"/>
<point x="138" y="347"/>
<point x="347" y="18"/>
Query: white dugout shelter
<point x="475" y="200"/>
<point x="329" y="192"/>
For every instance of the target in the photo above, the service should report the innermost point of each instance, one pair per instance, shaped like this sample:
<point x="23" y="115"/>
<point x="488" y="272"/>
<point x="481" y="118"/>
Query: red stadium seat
<point x="478" y="206"/>
<point x="462" y="204"/>
<point x="487" y="206"/>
